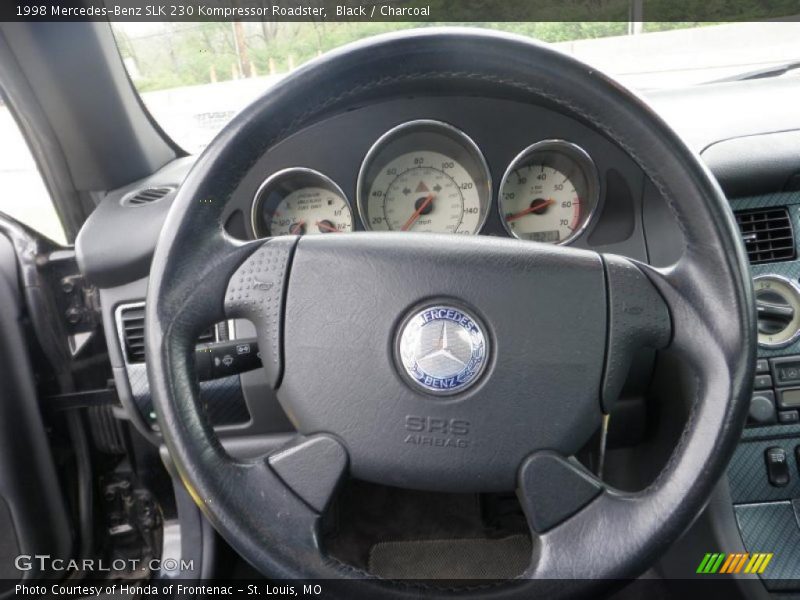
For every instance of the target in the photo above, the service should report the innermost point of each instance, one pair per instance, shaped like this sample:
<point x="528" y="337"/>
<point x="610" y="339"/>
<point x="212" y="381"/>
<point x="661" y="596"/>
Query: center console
<point x="764" y="474"/>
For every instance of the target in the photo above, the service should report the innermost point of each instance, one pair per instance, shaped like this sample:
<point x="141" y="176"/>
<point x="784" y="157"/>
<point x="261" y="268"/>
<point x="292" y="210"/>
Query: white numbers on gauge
<point x="300" y="201"/>
<point x="549" y="193"/>
<point x="424" y="192"/>
<point x="426" y="177"/>
<point x="310" y="210"/>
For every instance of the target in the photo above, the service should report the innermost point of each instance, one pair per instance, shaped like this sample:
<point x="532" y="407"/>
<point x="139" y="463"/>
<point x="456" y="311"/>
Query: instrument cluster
<point x="429" y="176"/>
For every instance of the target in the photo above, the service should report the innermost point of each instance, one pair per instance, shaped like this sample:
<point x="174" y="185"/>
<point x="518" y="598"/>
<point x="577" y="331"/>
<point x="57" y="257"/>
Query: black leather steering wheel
<point x="541" y="396"/>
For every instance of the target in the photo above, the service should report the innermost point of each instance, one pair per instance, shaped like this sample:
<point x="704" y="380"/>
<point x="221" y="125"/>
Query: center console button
<point x="786" y="370"/>
<point x="762" y="382"/>
<point x="777" y="466"/>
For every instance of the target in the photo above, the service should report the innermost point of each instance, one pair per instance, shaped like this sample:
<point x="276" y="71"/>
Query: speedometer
<point x="549" y="193"/>
<point x="424" y="176"/>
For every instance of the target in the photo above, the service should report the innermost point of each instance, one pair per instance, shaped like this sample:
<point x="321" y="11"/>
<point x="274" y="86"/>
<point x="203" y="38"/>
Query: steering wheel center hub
<point x="408" y="337"/>
<point x="442" y="349"/>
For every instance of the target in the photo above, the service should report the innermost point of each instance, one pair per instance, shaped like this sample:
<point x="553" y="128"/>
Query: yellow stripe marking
<point x="751" y="565"/>
<point x="767" y="558"/>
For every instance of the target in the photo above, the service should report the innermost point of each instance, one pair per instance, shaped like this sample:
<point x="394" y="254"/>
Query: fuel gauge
<point x="300" y="201"/>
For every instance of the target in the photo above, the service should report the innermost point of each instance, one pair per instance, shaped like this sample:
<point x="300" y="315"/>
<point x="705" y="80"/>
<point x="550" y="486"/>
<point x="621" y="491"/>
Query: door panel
<point x="33" y="518"/>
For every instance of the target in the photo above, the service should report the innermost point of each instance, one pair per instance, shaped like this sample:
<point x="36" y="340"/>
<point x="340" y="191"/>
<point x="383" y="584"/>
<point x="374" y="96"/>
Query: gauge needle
<point x="531" y="209"/>
<point x="327" y="227"/>
<point x="417" y="213"/>
<point x="297" y="227"/>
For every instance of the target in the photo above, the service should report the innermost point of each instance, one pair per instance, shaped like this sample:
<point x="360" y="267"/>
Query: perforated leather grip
<point x="256" y="292"/>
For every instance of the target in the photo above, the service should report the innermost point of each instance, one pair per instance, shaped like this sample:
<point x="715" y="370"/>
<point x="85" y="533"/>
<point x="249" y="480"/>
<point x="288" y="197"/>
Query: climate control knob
<point x="778" y="309"/>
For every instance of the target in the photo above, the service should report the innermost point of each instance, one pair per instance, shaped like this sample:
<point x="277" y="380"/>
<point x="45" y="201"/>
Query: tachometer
<point x="549" y="193"/>
<point x="300" y="202"/>
<point x="424" y="176"/>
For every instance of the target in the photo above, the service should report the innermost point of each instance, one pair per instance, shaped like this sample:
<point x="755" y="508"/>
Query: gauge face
<point x="549" y="193"/>
<point x="778" y="309"/>
<point x="425" y="192"/>
<point x="427" y="177"/>
<point x="300" y="202"/>
<point x="310" y="210"/>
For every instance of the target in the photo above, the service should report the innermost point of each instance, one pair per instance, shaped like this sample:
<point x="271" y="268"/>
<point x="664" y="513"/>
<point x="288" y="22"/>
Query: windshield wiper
<point x="765" y="73"/>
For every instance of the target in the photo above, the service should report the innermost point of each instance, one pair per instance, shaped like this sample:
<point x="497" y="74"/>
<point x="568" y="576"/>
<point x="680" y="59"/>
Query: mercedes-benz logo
<point x="442" y="349"/>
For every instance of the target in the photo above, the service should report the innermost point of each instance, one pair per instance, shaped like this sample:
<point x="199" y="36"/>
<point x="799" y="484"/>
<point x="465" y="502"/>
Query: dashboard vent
<point x="131" y="324"/>
<point x="146" y="196"/>
<point x="767" y="234"/>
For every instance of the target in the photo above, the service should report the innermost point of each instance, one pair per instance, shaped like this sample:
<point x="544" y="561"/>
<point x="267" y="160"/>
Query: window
<point x="23" y="194"/>
<point x="194" y="77"/>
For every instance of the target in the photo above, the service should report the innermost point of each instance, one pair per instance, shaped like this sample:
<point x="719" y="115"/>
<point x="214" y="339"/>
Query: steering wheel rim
<point x="612" y="535"/>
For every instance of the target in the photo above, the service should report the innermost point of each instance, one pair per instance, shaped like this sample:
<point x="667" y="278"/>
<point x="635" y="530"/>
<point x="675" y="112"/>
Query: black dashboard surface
<point x="746" y="132"/>
<point x="501" y="129"/>
<point x="336" y="147"/>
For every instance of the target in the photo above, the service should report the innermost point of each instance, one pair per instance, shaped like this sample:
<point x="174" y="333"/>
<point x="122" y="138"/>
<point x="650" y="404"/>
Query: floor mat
<point x="501" y="558"/>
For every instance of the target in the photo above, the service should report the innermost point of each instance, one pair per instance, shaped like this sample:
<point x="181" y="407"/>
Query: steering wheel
<point x="550" y="332"/>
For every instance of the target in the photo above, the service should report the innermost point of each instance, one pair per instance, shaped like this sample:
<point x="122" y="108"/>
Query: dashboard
<point x="462" y="166"/>
<point x="459" y="165"/>
<point x="429" y="176"/>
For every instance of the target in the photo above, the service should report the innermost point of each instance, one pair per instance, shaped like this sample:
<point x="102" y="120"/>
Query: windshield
<point x="194" y="77"/>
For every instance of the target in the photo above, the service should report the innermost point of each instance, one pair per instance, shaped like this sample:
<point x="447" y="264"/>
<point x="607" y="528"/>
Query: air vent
<point x="767" y="235"/>
<point x="132" y="327"/>
<point x="131" y="324"/>
<point x="146" y="196"/>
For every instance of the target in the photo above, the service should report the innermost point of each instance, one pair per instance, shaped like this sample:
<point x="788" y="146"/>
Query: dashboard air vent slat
<point x="132" y="327"/>
<point x="146" y="196"/>
<point x="767" y="234"/>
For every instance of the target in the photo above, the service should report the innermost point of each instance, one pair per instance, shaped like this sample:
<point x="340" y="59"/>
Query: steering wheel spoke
<point x="552" y="488"/>
<point x="312" y="468"/>
<point x="638" y="318"/>
<point x="256" y="291"/>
